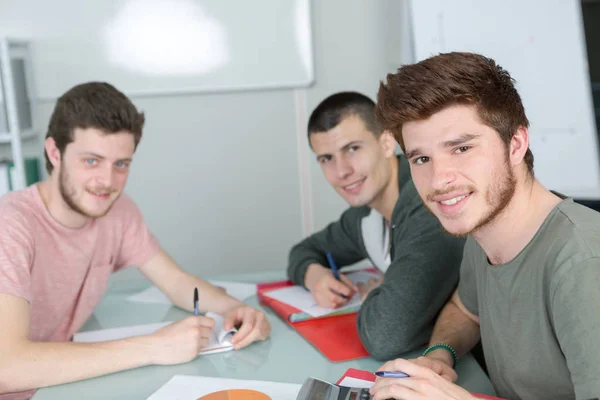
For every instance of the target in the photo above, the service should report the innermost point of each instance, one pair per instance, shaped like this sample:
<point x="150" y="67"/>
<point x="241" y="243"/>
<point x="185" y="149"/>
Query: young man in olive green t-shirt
<point x="530" y="276"/>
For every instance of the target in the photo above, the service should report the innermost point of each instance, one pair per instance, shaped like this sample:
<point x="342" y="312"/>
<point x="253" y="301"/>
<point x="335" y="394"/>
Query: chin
<point x="457" y="229"/>
<point x="96" y="212"/>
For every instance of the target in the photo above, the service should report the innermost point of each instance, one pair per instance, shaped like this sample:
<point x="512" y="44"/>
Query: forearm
<point x="456" y="329"/>
<point x="30" y="365"/>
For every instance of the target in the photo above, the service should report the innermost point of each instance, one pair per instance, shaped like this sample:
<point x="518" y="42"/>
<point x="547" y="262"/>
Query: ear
<point x="53" y="152"/>
<point x="518" y="146"/>
<point x="388" y="144"/>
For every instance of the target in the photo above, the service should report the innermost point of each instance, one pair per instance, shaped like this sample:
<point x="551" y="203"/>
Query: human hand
<point x="422" y="383"/>
<point x="365" y="288"/>
<point x="254" y="325"/>
<point x="180" y="341"/>
<point x="326" y="290"/>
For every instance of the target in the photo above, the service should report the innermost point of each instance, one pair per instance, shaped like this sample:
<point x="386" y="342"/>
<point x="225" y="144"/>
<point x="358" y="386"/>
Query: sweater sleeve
<point x="399" y="315"/>
<point x="342" y="238"/>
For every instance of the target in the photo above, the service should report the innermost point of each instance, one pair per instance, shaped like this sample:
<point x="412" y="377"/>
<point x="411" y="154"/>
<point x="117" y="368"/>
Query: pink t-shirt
<point x="62" y="272"/>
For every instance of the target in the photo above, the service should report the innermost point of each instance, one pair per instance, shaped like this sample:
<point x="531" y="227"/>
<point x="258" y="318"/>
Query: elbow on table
<point x="385" y="345"/>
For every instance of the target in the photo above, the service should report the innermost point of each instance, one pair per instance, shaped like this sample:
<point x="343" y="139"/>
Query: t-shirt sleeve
<point x="16" y="254"/>
<point x="576" y="316"/>
<point x="467" y="284"/>
<point x="138" y="245"/>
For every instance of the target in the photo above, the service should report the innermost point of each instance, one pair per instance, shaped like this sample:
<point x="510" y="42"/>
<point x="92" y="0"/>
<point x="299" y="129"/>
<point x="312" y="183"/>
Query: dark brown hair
<point x="92" y="105"/>
<point x="417" y="91"/>
<point x="333" y="109"/>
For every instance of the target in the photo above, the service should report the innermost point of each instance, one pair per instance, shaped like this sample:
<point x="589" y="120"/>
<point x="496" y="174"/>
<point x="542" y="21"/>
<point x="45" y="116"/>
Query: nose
<point x="443" y="174"/>
<point x="343" y="168"/>
<point x="106" y="177"/>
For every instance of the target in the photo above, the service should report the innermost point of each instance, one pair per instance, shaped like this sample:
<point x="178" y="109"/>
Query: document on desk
<point x="240" y="291"/>
<point x="302" y="299"/>
<point x="186" y="387"/>
<point x="219" y="341"/>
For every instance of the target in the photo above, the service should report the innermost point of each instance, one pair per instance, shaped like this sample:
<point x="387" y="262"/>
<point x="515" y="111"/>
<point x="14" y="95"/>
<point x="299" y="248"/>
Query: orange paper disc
<point x="236" y="394"/>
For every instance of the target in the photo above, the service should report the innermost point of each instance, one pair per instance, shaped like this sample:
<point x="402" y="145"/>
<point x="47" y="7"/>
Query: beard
<point x="498" y="195"/>
<point x="69" y="194"/>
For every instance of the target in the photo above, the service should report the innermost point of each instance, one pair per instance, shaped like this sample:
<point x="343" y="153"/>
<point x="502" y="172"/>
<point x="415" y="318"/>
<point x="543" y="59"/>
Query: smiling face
<point x="93" y="170"/>
<point x="354" y="161"/>
<point x="461" y="168"/>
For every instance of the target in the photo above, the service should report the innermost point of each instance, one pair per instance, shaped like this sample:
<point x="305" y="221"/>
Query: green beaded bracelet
<point x="446" y="347"/>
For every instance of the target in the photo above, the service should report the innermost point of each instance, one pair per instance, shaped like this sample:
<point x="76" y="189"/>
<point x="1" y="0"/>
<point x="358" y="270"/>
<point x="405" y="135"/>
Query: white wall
<point x="354" y="45"/>
<point x="226" y="181"/>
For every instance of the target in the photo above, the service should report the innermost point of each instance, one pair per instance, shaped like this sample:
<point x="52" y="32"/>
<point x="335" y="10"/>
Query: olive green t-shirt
<point x="540" y="313"/>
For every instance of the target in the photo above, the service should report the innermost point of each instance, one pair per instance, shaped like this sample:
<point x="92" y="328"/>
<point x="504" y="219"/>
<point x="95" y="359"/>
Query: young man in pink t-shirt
<point x="62" y="238"/>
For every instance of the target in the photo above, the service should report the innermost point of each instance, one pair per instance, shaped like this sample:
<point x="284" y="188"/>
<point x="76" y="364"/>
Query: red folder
<point x="336" y="337"/>
<point x="370" y="377"/>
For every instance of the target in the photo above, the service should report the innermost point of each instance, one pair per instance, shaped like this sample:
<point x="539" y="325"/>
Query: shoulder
<point x="21" y="214"/>
<point x="355" y="214"/>
<point x="571" y="238"/>
<point x="573" y="233"/>
<point x="20" y="206"/>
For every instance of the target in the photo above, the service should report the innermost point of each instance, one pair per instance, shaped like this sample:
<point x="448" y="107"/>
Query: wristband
<point x="446" y="347"/>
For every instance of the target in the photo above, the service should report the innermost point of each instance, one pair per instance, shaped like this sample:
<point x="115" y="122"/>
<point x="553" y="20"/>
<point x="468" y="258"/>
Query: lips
<point x="453" y="200"/>
<point x="354" y="187"/>
<point x="452" y="204"/>
<point x="102" y="195"/>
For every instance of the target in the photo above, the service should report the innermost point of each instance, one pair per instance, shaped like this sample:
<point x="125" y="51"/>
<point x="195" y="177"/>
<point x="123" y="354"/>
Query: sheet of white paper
<point x="240" y="291"/>
<point x="302" y="299"/>
<point x="219" y="340"/>
<point x="356" y="383"/>
<point x="185" y="387"/>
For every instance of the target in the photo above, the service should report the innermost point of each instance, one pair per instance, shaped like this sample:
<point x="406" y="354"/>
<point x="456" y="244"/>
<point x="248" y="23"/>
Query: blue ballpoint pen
<point x="333" y="266"/>
<point x="196" y="302"/>
<point x="391" y="374"/>
<point x="335" y="271"/>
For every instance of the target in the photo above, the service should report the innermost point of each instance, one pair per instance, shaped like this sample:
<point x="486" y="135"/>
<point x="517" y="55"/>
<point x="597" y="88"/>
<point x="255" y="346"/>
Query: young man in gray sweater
<point x="386" y="223"/>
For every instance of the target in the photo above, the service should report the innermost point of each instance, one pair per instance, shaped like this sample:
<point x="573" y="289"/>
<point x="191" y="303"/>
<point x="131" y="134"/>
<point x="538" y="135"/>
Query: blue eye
<point x="121" y="164"/>
<point x="90" y="161"/>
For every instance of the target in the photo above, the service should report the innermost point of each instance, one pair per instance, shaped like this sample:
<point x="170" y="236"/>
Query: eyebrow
<point x="344" y="148"/>
<point x="464" y="138"/>
<point x="102" y="157"/>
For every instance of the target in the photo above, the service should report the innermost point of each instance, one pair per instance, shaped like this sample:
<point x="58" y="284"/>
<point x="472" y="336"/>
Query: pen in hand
<point x="196" y="302"/>
<point x="391" y="374"/>
<point x="335" y="271"/>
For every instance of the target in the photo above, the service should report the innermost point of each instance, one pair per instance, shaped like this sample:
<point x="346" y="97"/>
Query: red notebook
<point x="336" y="337"/>
<point x="370" y="377"/>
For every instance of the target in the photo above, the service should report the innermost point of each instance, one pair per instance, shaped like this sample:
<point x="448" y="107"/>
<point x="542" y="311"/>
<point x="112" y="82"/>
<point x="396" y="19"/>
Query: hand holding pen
<point x="408" y="379"/>
<point x="329" y="288"/>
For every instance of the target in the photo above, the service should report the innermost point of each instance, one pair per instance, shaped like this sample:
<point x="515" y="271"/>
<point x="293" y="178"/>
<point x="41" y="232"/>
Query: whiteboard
<point x="542" y="46"/>
<point x="147" y="47"/>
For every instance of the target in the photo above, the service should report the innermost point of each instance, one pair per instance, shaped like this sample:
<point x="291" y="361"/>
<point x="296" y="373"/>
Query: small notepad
<point x="219" y="340"/>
